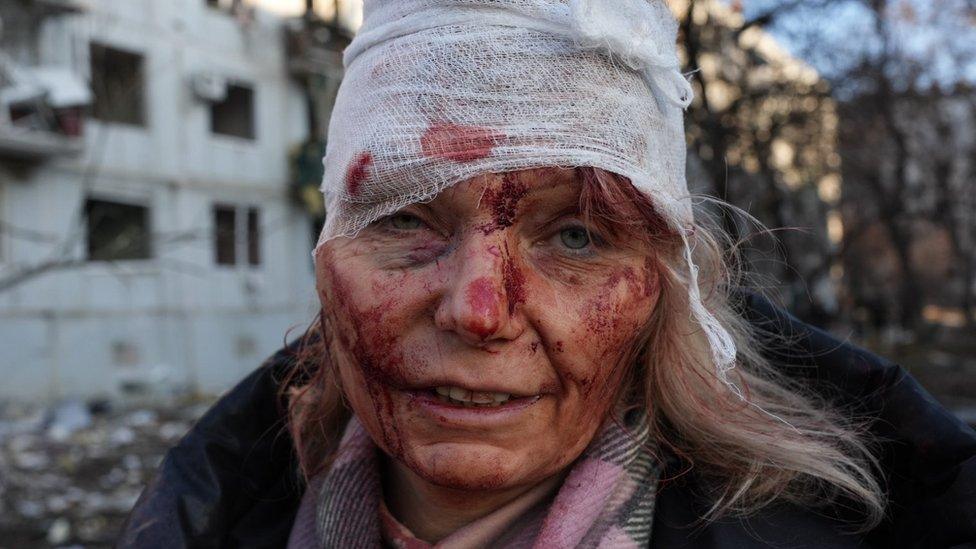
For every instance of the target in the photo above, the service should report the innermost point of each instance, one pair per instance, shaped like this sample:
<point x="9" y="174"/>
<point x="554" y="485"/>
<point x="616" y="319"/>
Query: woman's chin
<point x="470" y="466"/>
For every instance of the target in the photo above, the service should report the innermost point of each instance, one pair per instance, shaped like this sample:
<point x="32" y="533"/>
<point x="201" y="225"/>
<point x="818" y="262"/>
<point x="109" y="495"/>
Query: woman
<point x="527" y="336"/>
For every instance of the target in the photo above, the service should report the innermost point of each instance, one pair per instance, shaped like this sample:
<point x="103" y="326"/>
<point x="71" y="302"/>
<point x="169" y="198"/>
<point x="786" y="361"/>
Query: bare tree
<point x="893" y="66"/>
<point x="763" y="132"/>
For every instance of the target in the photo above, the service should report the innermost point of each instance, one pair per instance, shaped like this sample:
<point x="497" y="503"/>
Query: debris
<point x="59" y="532"/>
<point x="70" y="474"/>
<point x="122" y="435"/>
<point x="141" y="418"/>
<point x="68" y="418"/>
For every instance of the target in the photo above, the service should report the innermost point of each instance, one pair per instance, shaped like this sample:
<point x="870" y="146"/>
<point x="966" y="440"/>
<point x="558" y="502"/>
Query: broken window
<point x="234" y="116"/>
<point x="118" y="82"/>
<point x="253" y="237"/>
<point x="117" y="231"/>
<point x="237" y="235"/>
<point x="225" y="242"/>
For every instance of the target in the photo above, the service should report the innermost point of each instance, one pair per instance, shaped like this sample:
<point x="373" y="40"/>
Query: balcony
<point x="20" y="144"/>
<point x="57" y="7"/>
<point x="314" y="46"/>
<point x="41" y="111"/>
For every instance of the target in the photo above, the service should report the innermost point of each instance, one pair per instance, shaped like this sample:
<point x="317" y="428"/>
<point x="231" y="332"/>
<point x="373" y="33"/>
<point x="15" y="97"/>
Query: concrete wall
<point x="175" y="319"/>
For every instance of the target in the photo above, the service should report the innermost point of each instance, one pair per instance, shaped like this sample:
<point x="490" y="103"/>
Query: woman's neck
<point x="434" y="512"/>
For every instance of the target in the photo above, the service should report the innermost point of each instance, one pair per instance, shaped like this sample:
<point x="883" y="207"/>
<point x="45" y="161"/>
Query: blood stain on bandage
<point x="459" y="143"/>
<point x="358" y="171"/>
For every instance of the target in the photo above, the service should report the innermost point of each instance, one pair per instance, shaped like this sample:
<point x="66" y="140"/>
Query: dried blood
<point x="482" y="298"/>
<point x="514" y="282"/>
<point x="458" y="143"/>
<point x="503" y="203"/>
<point x="358" y="171"/>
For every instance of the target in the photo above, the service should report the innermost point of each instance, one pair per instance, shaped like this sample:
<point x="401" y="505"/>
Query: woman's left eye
<point x="574" y="238"/>
<point x="405" y="222"/>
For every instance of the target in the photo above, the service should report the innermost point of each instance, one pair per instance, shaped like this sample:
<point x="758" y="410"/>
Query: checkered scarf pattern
<point x="606" y="500"/>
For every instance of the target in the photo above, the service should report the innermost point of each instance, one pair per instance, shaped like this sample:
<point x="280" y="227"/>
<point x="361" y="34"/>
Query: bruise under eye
<point x="405" y="239"/>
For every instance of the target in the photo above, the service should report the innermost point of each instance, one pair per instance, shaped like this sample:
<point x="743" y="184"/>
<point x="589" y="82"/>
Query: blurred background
<point x="159" y="165"/>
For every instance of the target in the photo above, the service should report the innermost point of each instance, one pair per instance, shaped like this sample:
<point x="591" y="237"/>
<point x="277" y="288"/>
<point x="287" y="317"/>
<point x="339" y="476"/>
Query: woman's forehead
<point x="552" y="183"/>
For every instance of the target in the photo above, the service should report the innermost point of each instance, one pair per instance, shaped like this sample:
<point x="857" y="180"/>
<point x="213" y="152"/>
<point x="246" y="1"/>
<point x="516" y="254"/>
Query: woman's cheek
<point x="367" y="352"/>
<point x="611" y="317"/>
<point x="369" y="310"/>
<point x="361" y="313"/>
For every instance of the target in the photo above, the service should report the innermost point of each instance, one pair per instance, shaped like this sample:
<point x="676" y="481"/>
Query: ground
<point x="70" y="474"/>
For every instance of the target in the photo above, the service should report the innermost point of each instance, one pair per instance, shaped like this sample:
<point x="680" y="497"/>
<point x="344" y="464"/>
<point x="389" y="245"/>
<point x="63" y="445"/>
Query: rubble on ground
<point x="70" y="474"/>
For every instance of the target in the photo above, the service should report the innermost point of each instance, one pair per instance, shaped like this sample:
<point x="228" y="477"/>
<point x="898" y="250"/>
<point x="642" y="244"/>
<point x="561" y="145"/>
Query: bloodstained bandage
<point x="459" y="143"/>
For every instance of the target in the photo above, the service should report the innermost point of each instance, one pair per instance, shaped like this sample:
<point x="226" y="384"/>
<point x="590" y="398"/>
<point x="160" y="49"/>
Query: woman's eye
<point x="574" y="238"/>
<point x="405" y="222"/>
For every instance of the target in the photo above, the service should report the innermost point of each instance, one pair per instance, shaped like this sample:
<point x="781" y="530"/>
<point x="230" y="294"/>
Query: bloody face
<point x="480" y="338"/>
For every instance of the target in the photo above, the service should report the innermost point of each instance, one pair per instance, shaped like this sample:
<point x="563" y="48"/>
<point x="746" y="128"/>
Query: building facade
<point x="149" y="236"/>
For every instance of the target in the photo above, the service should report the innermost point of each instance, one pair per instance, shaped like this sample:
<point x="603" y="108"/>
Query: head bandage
<point x="439" y="91"/>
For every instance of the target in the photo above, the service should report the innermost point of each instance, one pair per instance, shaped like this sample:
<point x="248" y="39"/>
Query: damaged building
<point x="155" y="219"/>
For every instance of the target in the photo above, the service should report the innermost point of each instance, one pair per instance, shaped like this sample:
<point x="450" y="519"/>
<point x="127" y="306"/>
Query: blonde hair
<point x="763" y="436"/>
<point x="760" y="438"/>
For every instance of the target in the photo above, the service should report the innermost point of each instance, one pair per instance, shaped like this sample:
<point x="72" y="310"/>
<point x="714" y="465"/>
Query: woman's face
<point x="478" y="337"/>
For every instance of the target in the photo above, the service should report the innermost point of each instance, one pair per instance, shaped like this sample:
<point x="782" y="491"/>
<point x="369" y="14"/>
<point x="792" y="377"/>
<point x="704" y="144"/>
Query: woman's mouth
<point x="460" y="407"/>
<point x="463" y="397"/>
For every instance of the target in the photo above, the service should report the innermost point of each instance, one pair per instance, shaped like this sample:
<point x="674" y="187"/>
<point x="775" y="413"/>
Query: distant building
<point x="152" y="235"/>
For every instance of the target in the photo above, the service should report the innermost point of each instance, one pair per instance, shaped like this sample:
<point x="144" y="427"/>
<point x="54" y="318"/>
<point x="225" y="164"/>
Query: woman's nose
<point x="475" y="303"/>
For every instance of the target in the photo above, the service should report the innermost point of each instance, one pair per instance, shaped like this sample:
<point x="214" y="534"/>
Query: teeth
<point x="457" y="395"/>
<point x="500" y="397"/>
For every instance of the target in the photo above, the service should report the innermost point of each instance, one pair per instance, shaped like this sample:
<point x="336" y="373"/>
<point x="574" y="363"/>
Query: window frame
<point x="248" y="235"/>
<point x="150" y="244"/>
<point x="251" y="135"/>
<point x="142" y="108"/>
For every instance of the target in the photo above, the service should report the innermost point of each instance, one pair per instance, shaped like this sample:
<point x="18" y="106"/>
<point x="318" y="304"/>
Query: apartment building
<point x="152" y="237"/>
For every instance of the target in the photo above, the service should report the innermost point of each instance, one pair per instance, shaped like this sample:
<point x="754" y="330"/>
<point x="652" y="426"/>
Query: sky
<point x="938" y="34"/>
<point x="843" y="26"/>
<point x="350" y="10"/>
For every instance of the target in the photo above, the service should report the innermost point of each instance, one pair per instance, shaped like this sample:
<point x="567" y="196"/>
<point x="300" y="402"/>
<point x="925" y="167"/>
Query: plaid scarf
<point x="606" y="500"/>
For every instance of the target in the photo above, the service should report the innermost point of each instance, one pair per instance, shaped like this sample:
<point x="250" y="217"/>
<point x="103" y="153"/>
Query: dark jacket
<point x="232" y="480"/>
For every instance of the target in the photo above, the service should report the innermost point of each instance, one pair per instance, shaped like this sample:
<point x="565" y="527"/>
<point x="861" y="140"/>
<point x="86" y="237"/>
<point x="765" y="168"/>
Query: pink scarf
<point x="606" y="500"/>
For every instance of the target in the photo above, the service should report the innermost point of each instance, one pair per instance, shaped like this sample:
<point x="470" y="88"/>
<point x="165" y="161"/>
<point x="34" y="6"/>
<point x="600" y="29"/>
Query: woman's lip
<point x="429" y="387"/>
<point x="445" y="413"/>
